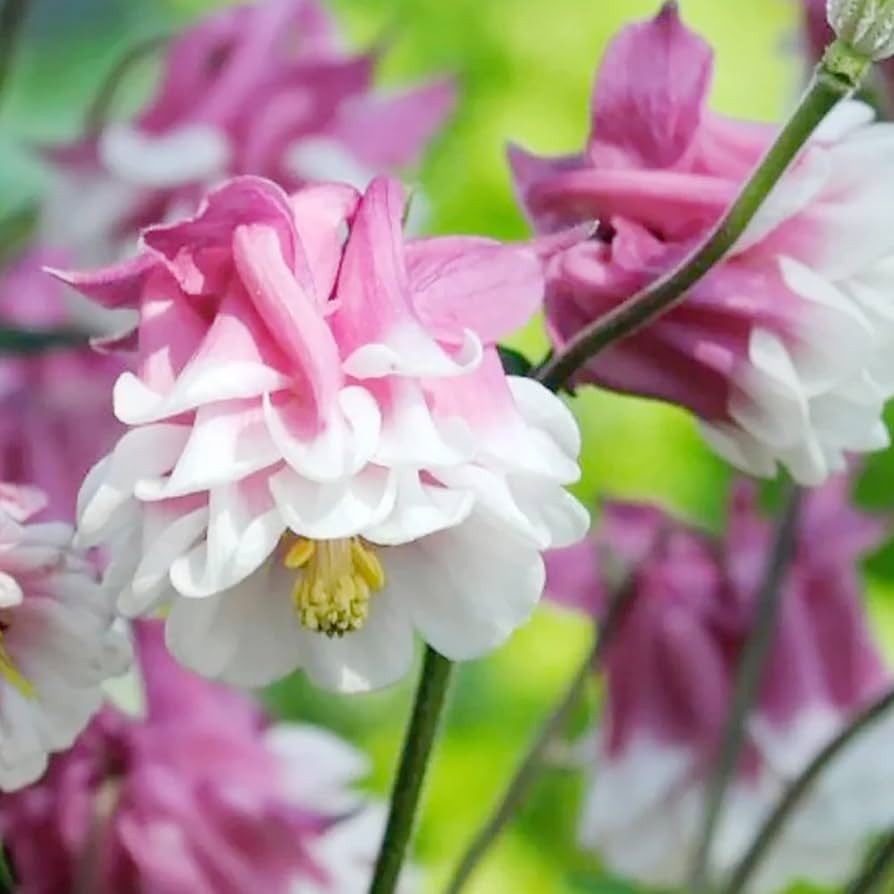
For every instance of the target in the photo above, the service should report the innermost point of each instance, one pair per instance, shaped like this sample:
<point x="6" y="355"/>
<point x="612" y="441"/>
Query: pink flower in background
<point x="263" y="89"/>
<point x="56" y="416"/>
<point x="785" y="349"/>
<point x="324" y="453"/>
<point x="198" y="796"/>
<point x="669" y="672"/>
<point x="56" y="642"/>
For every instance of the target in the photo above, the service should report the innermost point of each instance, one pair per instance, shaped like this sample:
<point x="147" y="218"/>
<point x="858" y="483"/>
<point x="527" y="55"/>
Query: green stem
<point x="12" y="16"/>
<point x="876" y="870"/>
<point x="531" y="764"/>
<point x="747" y="684"/>
<point x="420" y="738"/>
<point x="800" y="787"/>
<point x="34" y="341"/>
<point x="837" y="76"/>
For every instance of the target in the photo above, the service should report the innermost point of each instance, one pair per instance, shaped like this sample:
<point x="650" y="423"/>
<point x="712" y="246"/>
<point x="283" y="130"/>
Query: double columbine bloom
<point x="324" y="453"/>
<point x="57" y="645"/>
<point x="669" y="675"/>
<point x="785" y="348"/>
<point x="198" y="795"/>
<point x="264" y="88"/>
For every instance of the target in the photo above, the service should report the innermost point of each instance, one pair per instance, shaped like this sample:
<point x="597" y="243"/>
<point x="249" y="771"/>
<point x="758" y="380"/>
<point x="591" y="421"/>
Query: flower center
<point x="337" y="578"/>
<point x="10" y="673"/>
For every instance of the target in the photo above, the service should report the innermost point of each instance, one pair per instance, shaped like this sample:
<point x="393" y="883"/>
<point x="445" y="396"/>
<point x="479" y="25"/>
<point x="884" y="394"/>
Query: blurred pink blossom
<point x="669" y="674"/>
<point x="199" y="796"/>
<point x="56" y="415"/>
<point x="785" y="349"/>
<point x="324" y="454"/>
<point x="264" y="88"/>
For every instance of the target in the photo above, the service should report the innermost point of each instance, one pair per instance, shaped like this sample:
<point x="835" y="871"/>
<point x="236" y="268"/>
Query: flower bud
<point x="866" y="25"/>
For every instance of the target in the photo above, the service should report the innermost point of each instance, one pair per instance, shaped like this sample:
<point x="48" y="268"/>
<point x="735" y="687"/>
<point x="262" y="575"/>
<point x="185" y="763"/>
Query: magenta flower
<point x="56" y="420"/>
<point x="784" y="350"/>
<point x="324" y="453"/>
<point x="57" y="645"/>
<point x="262" y="89"/>
<point x="199" y="796"/>
<point x="669" y="673"/>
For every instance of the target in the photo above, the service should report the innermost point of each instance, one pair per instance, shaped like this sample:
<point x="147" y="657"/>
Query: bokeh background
<point x="525" y="69"/>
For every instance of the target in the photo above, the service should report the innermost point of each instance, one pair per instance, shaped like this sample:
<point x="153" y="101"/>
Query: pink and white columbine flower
<point x="324" y="453"/>
<point x="198" y="795"/>
<point x="669" y="673"/>
<point x="785" y="349"/>
<point x="265" y="89"/>
<point x="55" y="418"/>
<point x="56" y="641"/>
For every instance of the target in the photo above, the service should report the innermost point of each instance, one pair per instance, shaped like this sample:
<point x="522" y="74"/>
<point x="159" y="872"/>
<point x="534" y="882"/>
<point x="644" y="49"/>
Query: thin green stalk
<point x="747" y="684"/>
<point x="800" y="787"/>
<point x="837" y="76"/>
<point x="532" y="762"/>
<point x="420" y="738"/>
<point x="34" y="341"/>
<point x="12" y="16"/>
<point x="877" y="870"/>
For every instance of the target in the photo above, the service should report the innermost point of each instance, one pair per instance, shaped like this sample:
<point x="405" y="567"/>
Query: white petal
<point x="141" y="454"/>
<point x="467" y="588"/>
<point x="187" y="154"/>
<point x="340" y="509"/>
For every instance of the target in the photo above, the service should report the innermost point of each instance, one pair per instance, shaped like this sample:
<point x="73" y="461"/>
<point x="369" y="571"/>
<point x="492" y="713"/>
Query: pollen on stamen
<point x="12" y="675"/>
<point x="336" y="581"/>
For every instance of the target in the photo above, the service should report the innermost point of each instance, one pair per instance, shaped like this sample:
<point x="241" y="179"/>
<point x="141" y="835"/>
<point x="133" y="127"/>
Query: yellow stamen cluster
<point x="337" y="579"/>
<point x="12" y="674"/>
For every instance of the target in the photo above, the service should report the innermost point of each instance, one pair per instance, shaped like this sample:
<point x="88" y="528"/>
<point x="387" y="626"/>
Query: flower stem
<point x="12" y="16"/>
<point x="837" y="76"/>
<point x="531" y="764"/>
<point x="876" y="870"/>
<point x="800" y="787"/>
<point x="420" y="738"/>
<point x="747" y="684"/>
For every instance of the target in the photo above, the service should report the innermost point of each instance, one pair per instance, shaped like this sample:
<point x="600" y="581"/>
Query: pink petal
<point x="651" y="91"/>
<point x="466" y="282"/>
<point x="120" y="285"/>
<point x="199" y="251"/>
<point x="391" y="131"/>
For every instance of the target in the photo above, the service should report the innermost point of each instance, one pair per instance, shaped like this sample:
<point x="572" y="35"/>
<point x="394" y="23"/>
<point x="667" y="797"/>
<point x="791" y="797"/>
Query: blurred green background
<point x="525" y="69"/>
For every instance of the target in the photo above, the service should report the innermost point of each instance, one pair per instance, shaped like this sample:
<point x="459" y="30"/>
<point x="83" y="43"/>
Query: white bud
<point x="867" y="26"/>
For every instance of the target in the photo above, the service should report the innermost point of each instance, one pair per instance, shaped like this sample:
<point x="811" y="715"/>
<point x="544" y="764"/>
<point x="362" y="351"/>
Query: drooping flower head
<point x="324" y="453"/>
<point x="198" y="796"/>
<point x="669" y="673"/>
<point x="57" y="645"/>
<point x="264" y="88"/>
<point x="784" y="349"/>
<point x="55" y="417"/>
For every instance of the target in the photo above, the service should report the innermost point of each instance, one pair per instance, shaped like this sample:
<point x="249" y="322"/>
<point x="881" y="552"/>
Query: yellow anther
<point x="300" y="553"/>
<point x="367" y="564"/>
<point x="336" y="581"/>
<point x="13" y="675"/>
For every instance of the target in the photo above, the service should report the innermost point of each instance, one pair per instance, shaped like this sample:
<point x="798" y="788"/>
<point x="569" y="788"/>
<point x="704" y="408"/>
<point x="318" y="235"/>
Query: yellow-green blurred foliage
<point x="525" y="69"/>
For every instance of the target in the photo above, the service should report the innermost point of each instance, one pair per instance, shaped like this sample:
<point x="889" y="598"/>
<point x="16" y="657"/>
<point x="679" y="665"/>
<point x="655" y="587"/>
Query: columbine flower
<point x="784" y="350"/>
<point x="56" y="641"/>
<point x="867" y="26"/>
<point x="199" y="796"/>
<point x="261" y="89"/>
<point x="669" y="673"/>
<point x="324" y="451"/>
<point x="55" y="418"/>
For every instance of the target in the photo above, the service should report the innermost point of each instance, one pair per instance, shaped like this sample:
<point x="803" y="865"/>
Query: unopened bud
<point x="867" y="26"/>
